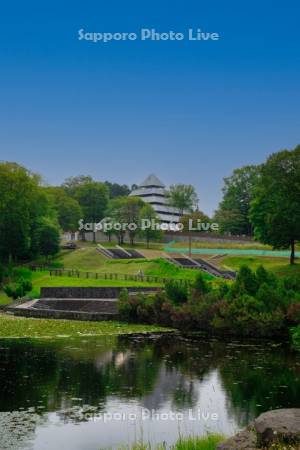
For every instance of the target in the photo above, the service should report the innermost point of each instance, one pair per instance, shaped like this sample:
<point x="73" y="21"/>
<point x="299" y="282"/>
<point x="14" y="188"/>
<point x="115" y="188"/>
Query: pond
<point x="90" y="393"/>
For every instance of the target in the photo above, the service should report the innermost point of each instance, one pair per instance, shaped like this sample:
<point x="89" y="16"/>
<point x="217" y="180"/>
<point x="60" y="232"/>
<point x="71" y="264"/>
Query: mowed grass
<point x="89" y="259"/>
<point x="21" y="327"/>
<point x="84" y="258"/>
<point x="280" y="266"/>
<point x="247" y="245"/>
<point x="44" y="279"/>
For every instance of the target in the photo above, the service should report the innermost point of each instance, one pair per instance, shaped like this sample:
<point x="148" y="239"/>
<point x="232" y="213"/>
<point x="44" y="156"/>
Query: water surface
<point x="92" y="393"/>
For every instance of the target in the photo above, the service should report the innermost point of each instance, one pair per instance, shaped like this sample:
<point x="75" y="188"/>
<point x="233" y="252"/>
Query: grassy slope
<point x="44" y="279"/>
<point x="229" y="245"/>
<point x="277" y="265"/>
<point x="11" y="326"/>
<point x="88" y="259"/>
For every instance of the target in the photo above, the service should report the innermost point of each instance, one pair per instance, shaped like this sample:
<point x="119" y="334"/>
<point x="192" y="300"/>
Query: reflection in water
<point x="92" y="393"/>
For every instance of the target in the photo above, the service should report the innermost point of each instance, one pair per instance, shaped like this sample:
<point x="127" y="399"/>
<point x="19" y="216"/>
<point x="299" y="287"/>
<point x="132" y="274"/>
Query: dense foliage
<point x="275" y="209"/>
<point x="233" y="211"/>
<point x="256" y="304"/>
<point x="183" y="197"/>
<point x="18" y="282"/>
<point x="25" y="209"/>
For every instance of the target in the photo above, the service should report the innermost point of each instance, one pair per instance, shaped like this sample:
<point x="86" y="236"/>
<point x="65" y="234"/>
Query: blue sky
<point x="190" y="112"/>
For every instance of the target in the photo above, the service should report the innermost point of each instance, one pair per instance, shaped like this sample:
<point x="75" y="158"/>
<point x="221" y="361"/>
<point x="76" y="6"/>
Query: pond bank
<point x="21" y="327"/>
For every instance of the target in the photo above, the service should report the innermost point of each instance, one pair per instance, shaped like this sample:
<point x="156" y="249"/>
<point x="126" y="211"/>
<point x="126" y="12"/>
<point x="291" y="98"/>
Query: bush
<point x="257" y="304"/>
<point x="295" y="334"/>
<point x="176" y="291"/>
<point x="18" y="289"/>
<point x="21" y="273"/>
<point x="245" y="283"/>
<point x="293" y="314"/>
<point x="200" y="286"/>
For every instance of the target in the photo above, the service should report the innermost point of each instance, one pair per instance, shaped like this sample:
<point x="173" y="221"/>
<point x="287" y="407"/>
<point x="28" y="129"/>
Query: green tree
<point x="117" y="190"/>
<point x="46" y="238"/>
<point x="183" y="197"/>
<point x="72" y="184"/>
<point x="233" y="211"/>
<point x="147" y="216"/>
<point x="132" y="207"/>
<point x="22" y="203"/>
<point x="194" y="217"/>
<point x="275" y="209"/>
<point x="123" y="212"/>
<point x="68" y="209"/>
<point x="93" y="199"/>
<point x="116" y="214"/>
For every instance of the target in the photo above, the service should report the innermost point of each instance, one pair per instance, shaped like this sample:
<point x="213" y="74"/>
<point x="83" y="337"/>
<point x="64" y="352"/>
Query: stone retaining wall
<point x="55" y="314"/>
<point x="90" y="292"/>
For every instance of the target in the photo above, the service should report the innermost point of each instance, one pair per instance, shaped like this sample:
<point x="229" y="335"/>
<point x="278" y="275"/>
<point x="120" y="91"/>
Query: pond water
<point x="93" y="393"/>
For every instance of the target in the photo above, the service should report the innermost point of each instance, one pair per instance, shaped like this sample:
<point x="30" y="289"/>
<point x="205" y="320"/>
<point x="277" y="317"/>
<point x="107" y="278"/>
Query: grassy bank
<point x="209" y="442"/>
<point x="88" y="259"/>
<point x="44" y="279"/>
<point x="280" y="266"/>
<point x="20" y="327"/>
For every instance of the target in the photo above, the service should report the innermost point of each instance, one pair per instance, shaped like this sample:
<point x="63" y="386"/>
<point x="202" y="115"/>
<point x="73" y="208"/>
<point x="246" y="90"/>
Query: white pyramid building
<point x="153" y="191"/>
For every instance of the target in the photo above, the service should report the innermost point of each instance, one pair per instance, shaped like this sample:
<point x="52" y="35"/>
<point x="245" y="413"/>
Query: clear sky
<point x="188" y="111"/>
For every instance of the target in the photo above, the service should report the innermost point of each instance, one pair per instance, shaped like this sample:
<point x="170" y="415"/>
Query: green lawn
<point x="277" y="265"/>
<point x="4" y="300"/>
<point x="44" y="279"/>
<point x="89" y="259"/>
<point x="12" y="327"/>
<point x="216" y="244"/>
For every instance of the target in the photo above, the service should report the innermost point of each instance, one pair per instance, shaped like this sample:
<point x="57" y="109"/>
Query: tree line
<point x="33" y="215"/>
<point x="261" y="201"/>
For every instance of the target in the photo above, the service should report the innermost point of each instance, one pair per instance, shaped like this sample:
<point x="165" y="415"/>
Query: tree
<point x="275" y="209"/>
<point x="124" y="214"/>
<point x="22" y="203"/>
<point x="132" y="207"/>
<point x="233" y="212"/>
<point x="72" y="184"/>
<point x="93" y="199"/>
<point x="117" y="190"/>
<point x="116" y="214"/>
<point x="194" y="217"/>
<point x="183" y="197"/>
<point x="68" y="209"/>
<point x="47" y="238"/>
<point x="148" y="214"/>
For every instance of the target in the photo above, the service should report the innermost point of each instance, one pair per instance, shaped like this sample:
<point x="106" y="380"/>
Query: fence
<point x="72" y="273"/>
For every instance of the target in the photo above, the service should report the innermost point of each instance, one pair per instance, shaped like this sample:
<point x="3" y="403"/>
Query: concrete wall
<point x="90" y="292"/>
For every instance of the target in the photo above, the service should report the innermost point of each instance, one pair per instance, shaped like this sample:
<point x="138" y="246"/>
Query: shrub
<point x="268" y="297"/>
<point x="176" y="291"/>
<point x="293" y="314"/>
<point x="263" y="276"/>
<point x="21" y="273"/>
<point x="200" y="286"/>
<point x="295" y="334"/>
<point x="18" y="289"/>
<point x="291" y="283"/>
<point x="124" y="306"/>
<point x="245" y="283"/>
